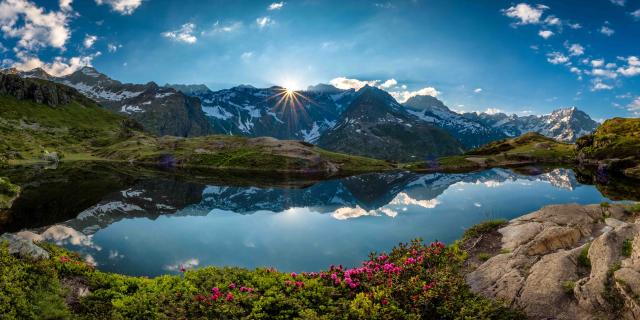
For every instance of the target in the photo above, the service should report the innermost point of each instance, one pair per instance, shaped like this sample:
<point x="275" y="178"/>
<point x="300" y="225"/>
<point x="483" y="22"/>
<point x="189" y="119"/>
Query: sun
<point x="289" y="91"/>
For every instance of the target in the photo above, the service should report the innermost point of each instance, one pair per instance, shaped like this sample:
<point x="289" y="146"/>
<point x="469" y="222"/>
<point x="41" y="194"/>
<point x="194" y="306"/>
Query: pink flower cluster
<point x="218" y="295"/>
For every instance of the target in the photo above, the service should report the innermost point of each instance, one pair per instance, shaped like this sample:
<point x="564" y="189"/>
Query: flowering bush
<point x="413" y="281"/>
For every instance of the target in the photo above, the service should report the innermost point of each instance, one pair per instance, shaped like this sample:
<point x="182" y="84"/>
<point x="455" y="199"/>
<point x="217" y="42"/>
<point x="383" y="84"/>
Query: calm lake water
<point x="150" y="225"/>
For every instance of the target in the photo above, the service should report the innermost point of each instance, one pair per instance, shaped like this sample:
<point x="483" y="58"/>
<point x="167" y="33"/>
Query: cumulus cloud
<point x="604" y="73"/>
<point x="634" y="106"/>
<point x="400" y="93"/>
<point x="219" y="27"/>
<point x="276" y="6"/>
<point x="65" y="5"/>
<point x="635" y="14"/>
<point x="59" y="67"/>
<point x="618" y="2"/>
<point x="525" y="13"/>
<point x="632" y="68"/>
<point x="112" y="47"/>
<point x="607" y="31"/>
<point x="124" y="7"/>
<point x="346" y="83"/>
<point x="596" y="63"/>
<point x="404" y="95"/>
<point x="32" y="26"/>
<point x="264" y="22"/>
<point x="246" y="55"/>
<point x="557" y="58"/>
<point x="389" y="83"/>
<point x="183" y="34"/>
<point x="576" y="50"/>
<point x="477" y="90"/>
<point x="545" y="34"/>
<point x="89" y="40"/>
<point x="598" y="85"/>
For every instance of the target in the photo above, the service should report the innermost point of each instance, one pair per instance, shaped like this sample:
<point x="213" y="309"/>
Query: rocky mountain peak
<point x="323" y="88"/>
<point x="190" y="89"/>
<point x="426" y="103"/>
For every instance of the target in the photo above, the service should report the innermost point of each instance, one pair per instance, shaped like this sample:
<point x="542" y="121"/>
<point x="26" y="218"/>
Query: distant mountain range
<point x="366" y="122"/>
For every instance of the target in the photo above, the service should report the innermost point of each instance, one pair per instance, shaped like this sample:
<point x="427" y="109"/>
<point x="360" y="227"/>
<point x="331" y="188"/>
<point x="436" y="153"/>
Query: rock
<point x="51" y="157"/>
<point x="543" y="264"/>
<point x="24" y="248"/>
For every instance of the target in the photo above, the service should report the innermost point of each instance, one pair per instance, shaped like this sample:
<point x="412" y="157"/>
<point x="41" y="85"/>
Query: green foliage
<point x="568" y="286"/>
<point x="413" y="281"/>
<point x="483" y="256"/>
<point x="627" y="248"/>
<point x="583" y="258"/>
<point x="482" y="228"/>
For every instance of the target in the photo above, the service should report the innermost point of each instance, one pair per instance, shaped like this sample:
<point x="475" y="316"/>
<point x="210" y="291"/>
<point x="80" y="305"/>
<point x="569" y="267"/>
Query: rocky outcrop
<point x="566" y="262"/>
<point x="24" y="248"/>
<point x="38" y="91"/>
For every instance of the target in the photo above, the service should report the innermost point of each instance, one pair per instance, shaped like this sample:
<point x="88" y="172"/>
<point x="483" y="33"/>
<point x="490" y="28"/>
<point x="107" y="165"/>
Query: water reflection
<point x="148" y="224"/>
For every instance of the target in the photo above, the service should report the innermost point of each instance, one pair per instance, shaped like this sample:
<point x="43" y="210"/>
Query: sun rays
<point x="290" y="104"/>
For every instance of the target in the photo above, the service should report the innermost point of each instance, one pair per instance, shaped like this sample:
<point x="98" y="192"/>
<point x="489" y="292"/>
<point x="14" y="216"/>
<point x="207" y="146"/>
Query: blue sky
<point x="525" y="57"/>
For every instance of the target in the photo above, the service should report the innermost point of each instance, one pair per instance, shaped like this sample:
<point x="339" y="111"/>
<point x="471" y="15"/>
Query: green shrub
<point x="413" y="281"/>
<point x="568" y="286"/>
<point x="483" y="256"/>
<point x="627" y="248"/>
<point x="482" y="228"/>
<point x="583" y="258"/>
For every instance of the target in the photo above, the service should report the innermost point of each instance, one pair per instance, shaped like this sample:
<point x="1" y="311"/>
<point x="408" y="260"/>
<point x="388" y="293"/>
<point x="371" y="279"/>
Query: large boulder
<point x="24" y="248"/>
<point x="566" y="262"/>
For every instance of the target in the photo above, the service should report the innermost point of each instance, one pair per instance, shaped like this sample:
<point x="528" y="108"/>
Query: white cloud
<point x="187" y="264"/>
<point x="552" y="21"/>
<point x="477" y="90"/>
<point x="557" y="58"/>
<point x="346" y="83"/>
<point x="112" y="47"/>
<point x="635" y="14"/>
<point x="634" y="106"/>
<point x="403" y="96"/>
<point x="224" y="28"/>
<point x="607" y="31"/>
<point x="599" y="85"/>
<point x="574" y="25"/>
<point x="183" y="34"/>
<point x="619" y="2"/>
<point x="124" y="7"/>
<point x="388" y="84"/>
<point x="576" y="50"/>
<point x="246" y="55"/>
<point x="276" y="6"/>
<point x="59" y="67"/>
<point x="575" y="70"/>
<point x="604" y="73"/>
<point x="65" y="5"/>
<point x="545" y="33"/>
<point x="34" y="27"/>
<point x="89" y="40"/>
<point x="596" y="63"/>
<point x="525" y="13"/>
<point x="632" y="68"/>
<point x="264" y="22"/>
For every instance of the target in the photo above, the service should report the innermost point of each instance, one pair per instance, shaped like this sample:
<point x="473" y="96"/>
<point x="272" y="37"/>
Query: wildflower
<point x="293" y="274"/>
<point x="182" y="269"/>
<point x="215" y="290"/>
<point x="287" y="282"/>
<point x="229" y="296"/>
<point x="232" y="285"/>
<point x="385" y="301"/>
<point x="299" y="284"/>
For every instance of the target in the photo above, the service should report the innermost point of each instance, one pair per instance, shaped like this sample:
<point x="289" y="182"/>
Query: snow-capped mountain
<point x="470" y="133"/>
<point x="250" y="111"/>
<point x="163" y="111"/>
<point x="376" y="125"/>
<point x="563" y="124"/>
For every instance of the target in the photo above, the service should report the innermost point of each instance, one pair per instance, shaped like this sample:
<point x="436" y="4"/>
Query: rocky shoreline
<point x="562" y="262"/>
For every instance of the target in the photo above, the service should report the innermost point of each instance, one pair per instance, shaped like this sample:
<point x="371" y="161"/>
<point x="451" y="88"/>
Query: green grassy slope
<point x="28" y="128"/>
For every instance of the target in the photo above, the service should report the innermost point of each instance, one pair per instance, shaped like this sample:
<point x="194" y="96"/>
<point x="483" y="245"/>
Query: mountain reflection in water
<point x="150" y="225"/>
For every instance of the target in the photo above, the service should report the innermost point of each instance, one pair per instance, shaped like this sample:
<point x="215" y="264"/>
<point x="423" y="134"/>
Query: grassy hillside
<point x="233" y="152"/>
<point x="28" y="129"/>
<point x="530" y="148"/>
<point x="615" y="144"/>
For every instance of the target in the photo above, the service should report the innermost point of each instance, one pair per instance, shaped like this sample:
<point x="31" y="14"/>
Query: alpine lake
<point x="147" y="221"/>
